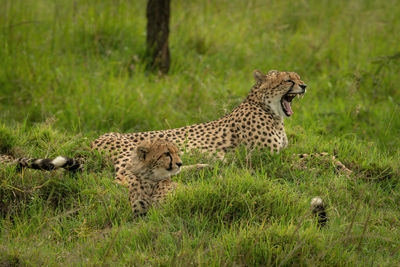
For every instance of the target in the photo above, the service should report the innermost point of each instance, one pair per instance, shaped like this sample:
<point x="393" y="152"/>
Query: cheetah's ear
<point x="142" y="151"/>
<point x="258" y="76"/>
<point x="272" y="72"/>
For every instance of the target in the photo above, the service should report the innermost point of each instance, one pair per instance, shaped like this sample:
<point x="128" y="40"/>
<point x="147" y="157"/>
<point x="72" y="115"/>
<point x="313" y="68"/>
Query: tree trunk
<point x="157" y="34"/>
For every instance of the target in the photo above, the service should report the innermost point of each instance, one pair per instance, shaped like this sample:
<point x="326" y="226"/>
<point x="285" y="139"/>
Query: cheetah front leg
<point x="161" y="190"/>
<point x="339" y="166"/>
<point x="220" y="155"/>
<point x="140" y="201"/>
<point x="195" y="167"/>
<point x="140" y="204"/>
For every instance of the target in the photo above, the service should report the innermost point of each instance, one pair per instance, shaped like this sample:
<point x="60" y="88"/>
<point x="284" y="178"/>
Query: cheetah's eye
<point x="290" y="81"/>
<point x="167" y="154"/>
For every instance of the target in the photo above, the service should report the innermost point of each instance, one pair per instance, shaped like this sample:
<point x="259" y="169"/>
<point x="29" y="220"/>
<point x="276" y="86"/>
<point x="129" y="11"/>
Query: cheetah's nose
<point x="179" y="164"/>
<point x="303" y="86"/>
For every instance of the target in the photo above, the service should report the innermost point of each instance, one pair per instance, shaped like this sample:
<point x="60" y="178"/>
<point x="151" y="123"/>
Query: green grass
<point x="72" y="70"/>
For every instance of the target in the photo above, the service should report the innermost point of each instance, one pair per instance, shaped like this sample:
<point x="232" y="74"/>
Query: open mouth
<point x="286" y="102"/>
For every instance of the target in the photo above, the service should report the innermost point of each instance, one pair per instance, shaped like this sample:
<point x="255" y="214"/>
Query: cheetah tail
<point x="318" y="209"/>
<point x="46" y="164"/>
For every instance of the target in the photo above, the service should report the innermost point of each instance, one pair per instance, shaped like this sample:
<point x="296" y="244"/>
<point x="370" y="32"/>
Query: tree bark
<point x="157" y="34"/>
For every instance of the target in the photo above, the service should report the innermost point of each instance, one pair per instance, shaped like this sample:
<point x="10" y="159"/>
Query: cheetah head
<point x="276" y="90"/>
<point x="156" y="160"/>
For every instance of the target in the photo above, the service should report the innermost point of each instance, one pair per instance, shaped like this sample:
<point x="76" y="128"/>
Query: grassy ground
<point x="71" y="70"/>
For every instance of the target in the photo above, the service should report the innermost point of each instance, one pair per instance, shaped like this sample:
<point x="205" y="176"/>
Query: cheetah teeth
<point x="293" y="95"/>
<point x="301" y="95"/>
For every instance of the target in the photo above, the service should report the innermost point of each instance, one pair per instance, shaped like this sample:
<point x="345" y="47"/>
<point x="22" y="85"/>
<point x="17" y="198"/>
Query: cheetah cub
<point x="148" y="173"/>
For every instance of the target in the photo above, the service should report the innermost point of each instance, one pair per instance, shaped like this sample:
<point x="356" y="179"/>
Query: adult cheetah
<point x="257" y="121"/>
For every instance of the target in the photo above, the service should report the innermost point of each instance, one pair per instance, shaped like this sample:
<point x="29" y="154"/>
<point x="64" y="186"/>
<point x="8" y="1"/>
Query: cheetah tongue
<point x="287" y="106"/>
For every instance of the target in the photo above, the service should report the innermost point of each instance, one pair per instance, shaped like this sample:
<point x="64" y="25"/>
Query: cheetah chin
<point x="286" y="101"/>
